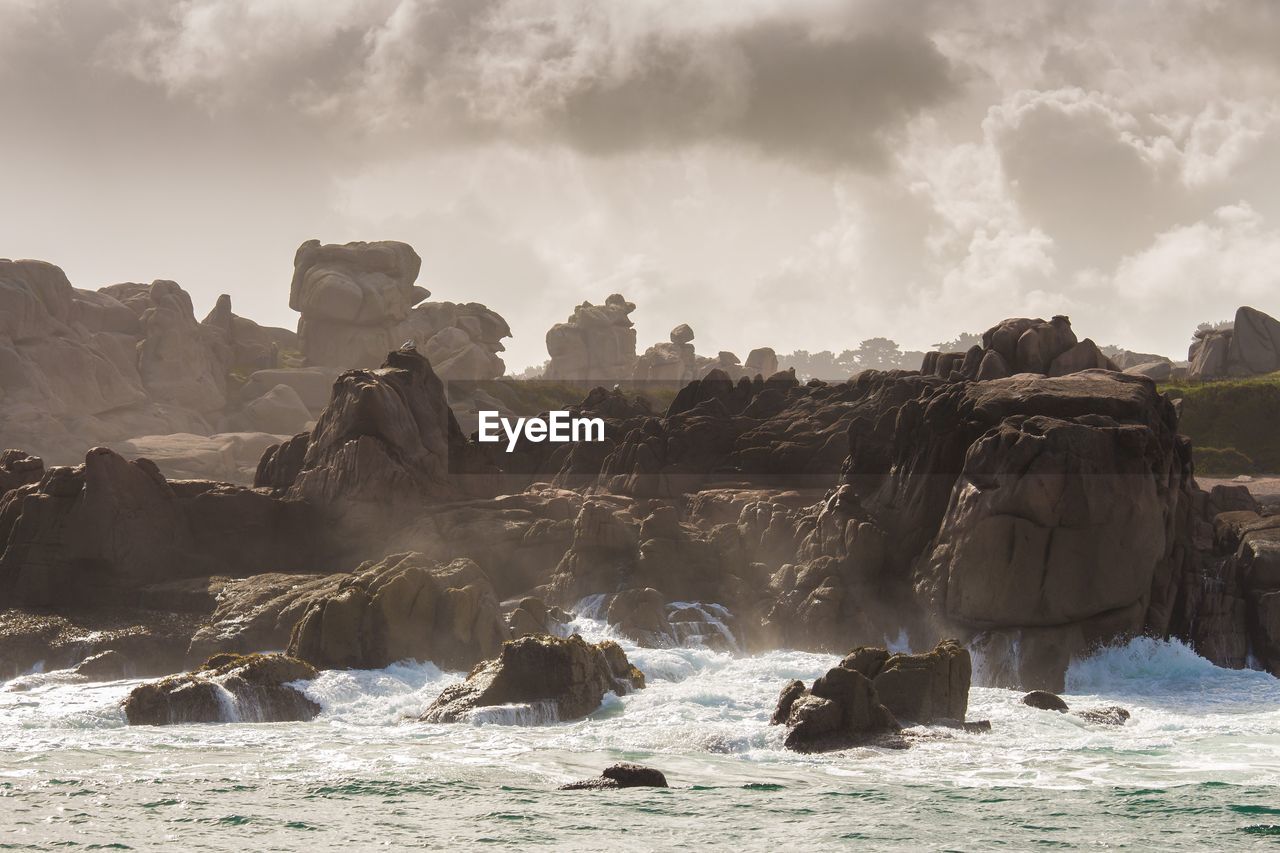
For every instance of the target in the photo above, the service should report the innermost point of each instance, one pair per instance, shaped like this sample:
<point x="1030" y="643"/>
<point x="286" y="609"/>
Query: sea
<point x="1197" y="767"/>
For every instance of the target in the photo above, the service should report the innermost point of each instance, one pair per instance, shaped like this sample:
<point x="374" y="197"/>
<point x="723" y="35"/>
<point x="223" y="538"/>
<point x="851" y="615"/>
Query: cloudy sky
<point x="793" y="173"/>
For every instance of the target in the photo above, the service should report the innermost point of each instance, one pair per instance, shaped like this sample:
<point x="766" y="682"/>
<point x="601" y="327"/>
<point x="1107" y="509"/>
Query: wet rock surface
<point x="567" y="677"/>
<point x="226" y="688"/>
<point x="622" y="775"/>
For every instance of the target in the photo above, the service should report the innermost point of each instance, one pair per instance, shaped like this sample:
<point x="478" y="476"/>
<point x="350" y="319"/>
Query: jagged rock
<point x="841" y="710"/>
<point x="386" y="445"/>
<point x="227" y="688"/>
<point x="1021" y="345"/>
<point x="622" y="775"/>
<point x="1045" y="701"/>
<point x="462" y="341"/>
<point x="1112" y="715"/>
<point x="95" y="533"/>
<point x="532" y="616"/>
<point x="403" y="608"/>
<point x="567" y="676"/>
<point x="597" y="342"/>
<point x="352" y="297"/>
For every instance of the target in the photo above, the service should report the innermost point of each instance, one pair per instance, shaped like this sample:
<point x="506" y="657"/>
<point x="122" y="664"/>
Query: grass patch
<point x="1234" y="424"/>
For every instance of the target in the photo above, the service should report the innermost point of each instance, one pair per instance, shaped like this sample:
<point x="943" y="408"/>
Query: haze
<point x="800" y="175"/>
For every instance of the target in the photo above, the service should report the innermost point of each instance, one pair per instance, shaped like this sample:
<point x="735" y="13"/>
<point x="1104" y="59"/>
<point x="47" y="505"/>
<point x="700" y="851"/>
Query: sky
<point x="801" y="174"/>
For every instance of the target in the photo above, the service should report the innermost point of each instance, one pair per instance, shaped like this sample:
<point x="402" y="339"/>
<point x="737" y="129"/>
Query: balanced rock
<point x="597" y="342"/>
<point x="227" y="688"/>
<point x="565" y="677"/>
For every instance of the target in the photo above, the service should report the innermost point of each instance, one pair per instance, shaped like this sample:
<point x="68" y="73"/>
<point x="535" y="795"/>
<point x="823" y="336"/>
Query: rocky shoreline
<point x="1025" y="498"/>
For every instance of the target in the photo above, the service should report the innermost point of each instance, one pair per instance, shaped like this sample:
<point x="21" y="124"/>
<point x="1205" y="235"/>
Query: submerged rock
<point x="1045" y="701"/>
<point x="568" y="677"/>
<point x="227" y="688"/>
<point x="1111" y="715"/>
<point x="621" y="775"/>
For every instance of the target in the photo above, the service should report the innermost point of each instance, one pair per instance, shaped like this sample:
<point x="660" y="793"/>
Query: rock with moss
<point x="567" y="678"/>
<point x="226" y="688"/>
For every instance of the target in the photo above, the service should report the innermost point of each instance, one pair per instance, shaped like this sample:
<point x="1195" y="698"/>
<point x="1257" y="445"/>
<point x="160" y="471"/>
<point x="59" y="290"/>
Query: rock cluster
<point x="226" y="688"/>
<point x="1251" y="346"/>
<point x="565" y="677"/>
<point x="597" y="343"/>
<point x="1021" y="345"/>
<point x="870" y="692"/>
<point x="672" y="361"/>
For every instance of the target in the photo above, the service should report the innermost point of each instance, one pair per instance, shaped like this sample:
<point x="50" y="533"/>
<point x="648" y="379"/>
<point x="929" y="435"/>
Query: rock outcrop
<point x="1250" y="346"/>
<point x="226" y="689"/>
<point x="596" y="344"/>
<point x="352" y="297"/>
<point x="252" y="347"/>
<point x="552" y="678"/>
<point x="95" y="533"/>
<point x="403" y="608"/>
<point x="1021" y="345"/>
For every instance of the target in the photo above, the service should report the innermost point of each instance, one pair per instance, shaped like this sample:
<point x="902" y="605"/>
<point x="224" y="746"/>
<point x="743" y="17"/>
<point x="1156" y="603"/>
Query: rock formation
<point x="351" y="298"/>
<point x="226" y="689"/>
<point x="622" y="775"/>
<point x="252" y="347"/>
<point x="1021" y="345"/>
<point x="674" y="361"/>
<point x="462" y="341"/>
<point x="554" y="678"/>
<point x="597" y="343"/>
<point x="403" y="608"/>
<point x="1251" y="346"/>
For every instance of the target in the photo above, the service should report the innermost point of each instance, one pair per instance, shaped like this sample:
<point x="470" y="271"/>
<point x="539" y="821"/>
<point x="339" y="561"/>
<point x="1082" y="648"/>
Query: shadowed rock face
<point x="568" y="675"/>
<point x="351" y="298"/>
<point x="462" y="341"/>
<point x="403" y="608"/>
<point x="226" y="688"/>
<point x="1021" y="345"/>
<point x="96" y="533"/>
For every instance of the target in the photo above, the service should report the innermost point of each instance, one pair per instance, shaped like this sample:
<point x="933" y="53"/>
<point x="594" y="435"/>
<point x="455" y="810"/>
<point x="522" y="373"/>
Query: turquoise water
<point x="1198" y="767"/>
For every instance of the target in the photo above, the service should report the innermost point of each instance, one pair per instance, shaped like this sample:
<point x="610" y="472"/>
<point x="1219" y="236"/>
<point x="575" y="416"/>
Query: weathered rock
<point x="1250" y="346"/>
<point x="674" y="361"/>
<point x="841" y="710"/>
<point x="567" y="677"/>
<point x="1045" y="701"/>
<point x="1160" y="371"/>
<point x="252" y="347"/>
<point x="405" y="607"/>
<point x="352" y="297"/>
<point x="622" y="775"/>
<point x="462" y="341"/>
<point x="257" y="613"/>
<point x="227" y="688"/>
<point x="762" y="361"/>
<point x="110" y="665"/>
<point x="279" y="411"/>
<point x="596" y="343"/>
<point x="18" y="468"/>
<point x="151" y="642"/>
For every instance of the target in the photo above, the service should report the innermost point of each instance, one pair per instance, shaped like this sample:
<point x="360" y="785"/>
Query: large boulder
<point x="351" y="298"/>
<point x="841" y="710"/>
<point x="1249" y="346"/>
<point x="554" y="678"/>
<point x="405" y="607"/>
<point x="596" y="343"/>
<point x="1022" y="345"/>
<point x="226" y="689"/>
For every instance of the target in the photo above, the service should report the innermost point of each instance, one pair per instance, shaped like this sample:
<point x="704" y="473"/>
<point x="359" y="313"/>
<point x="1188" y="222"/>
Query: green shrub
<point x="1233" y="424"/>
